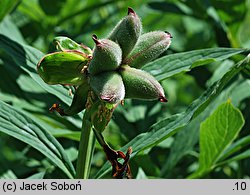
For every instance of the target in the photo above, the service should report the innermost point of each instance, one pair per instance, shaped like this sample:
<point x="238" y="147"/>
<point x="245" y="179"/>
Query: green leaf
<point x="170" y="125"/>
<point x="217" y="132"/>
<point x="6" y="6"/>
<point x="186" y="139"/>
<point x="242" y="155"/>
<point x="170" y="8"/>
<point x="9" y="28"/>
<point x="170" y="65"/>
<point x="16" y="124"/>
<point x="27" y="57"/>
<point x="63" y="68"/>
<point x="238" y="145"/>
<point x="37" y="176"/>
<point x="65" y="43"/>
<point x="52" y="9"/>
<point x="8" y="175"/>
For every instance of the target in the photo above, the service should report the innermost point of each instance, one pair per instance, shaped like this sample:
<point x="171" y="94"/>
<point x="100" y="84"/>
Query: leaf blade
<point x="217" y="132"/>
<point x="170" y="65"/>
<point x="170" y="125"/>
<point x="16" y="124"/>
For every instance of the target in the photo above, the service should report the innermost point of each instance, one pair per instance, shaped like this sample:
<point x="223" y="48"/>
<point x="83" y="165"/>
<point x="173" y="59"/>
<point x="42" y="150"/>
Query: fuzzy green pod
<point x="107" y="56"/>
<point x="141" y="85"/>
<point x="149" y="46"/>
<point x="127" y="32"/>
<point x="108" y="86"/>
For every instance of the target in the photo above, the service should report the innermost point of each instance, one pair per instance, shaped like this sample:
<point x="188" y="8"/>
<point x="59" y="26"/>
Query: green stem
<point x="86" y="148"/>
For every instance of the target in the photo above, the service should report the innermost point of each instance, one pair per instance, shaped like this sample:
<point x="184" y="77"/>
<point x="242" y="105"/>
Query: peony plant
<point x="104" y="77"/>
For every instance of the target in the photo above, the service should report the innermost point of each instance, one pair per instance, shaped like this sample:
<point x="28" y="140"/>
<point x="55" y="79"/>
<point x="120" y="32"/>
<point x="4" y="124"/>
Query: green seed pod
<point x="127" y="32"/>
<point x="148" y="48"/>
<point x="108" y="86"/>
<point x="78" y="102"/>
<point x="141" y="85"/>
<point x="107" y="56"/>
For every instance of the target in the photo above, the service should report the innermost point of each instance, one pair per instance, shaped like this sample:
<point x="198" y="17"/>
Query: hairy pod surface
<point x="108" y="86"/>
<point x="107" y="56"/>
<point x="141" y="85"/>
<point x="127" y="32"/>
<point x="149" y="47"/>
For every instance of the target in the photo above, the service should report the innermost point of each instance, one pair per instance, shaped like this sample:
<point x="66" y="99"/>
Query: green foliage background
<point x="208" y="90"/>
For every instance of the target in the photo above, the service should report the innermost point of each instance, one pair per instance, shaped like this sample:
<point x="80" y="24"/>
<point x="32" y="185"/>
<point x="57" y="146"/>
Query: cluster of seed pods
<point x="111" y="71"/>
<point x="108" y="74"/>
<point x="114" y="69"/>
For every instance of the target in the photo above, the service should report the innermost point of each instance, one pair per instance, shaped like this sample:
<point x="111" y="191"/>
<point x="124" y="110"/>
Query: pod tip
<point x="163" y="99"/>
<point x="131" y="11"/>
<point x="97" y="42"/>
<point x="169" y="34"/>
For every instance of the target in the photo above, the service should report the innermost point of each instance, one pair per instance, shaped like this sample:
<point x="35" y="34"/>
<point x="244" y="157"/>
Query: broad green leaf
<point x="27" y="58"/>
<point x="65" y="43"/>
<point x="186" y="139"/>
<point x="170" y="65"/>
<point x="6" y="6"/>
<point x="9" y="28"/>
<point x="217" y="132"/>
<point x="16" y="124"/>
<point x="63" y="68"/>
<point x="170" y="125"/>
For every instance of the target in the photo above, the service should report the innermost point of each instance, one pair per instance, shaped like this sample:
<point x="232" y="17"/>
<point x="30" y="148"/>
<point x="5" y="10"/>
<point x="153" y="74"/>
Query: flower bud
<point x="108" y="86"/>
<point x="127" y="32"/>
<point x="107" y="56"/>
<point x="149" y="47"/>
<point x="141" y="85"/>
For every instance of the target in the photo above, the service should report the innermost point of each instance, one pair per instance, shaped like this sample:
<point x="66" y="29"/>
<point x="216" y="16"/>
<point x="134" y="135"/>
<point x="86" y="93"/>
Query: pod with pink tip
<point x="141" y="85"/>
<point x="107" y="56"/>
<point x="108" y="86"/>
<point x="127" y="32"/>
<point x="149" y="46"/>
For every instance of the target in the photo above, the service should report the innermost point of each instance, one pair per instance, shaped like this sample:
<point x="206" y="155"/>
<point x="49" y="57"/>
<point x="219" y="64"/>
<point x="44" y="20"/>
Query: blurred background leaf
<point x="209" y="39"/>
